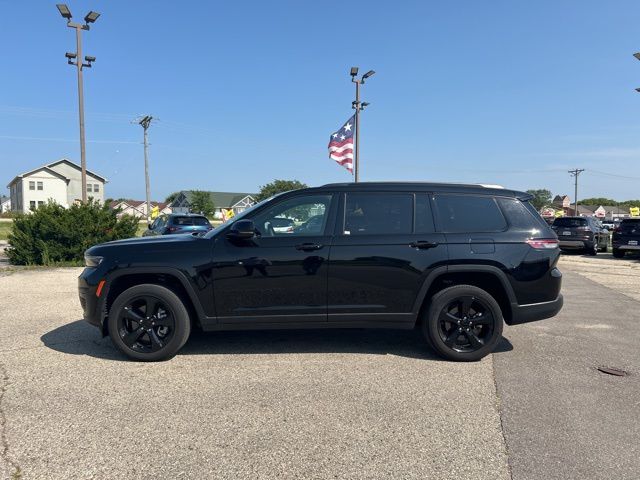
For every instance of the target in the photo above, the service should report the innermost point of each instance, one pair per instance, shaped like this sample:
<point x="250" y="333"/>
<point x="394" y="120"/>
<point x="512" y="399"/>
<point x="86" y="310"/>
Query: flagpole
<point x="357" y="127"/>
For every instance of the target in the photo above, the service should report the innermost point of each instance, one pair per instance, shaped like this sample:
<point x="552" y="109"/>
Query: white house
<point x="5" y="204"/>
<point x="60" y="181"/>
<point x="237" y="202"/>
<point x="138" y="208"/>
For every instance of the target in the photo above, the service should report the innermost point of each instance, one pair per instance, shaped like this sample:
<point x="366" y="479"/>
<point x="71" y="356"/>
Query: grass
<point x="5" y="228"/>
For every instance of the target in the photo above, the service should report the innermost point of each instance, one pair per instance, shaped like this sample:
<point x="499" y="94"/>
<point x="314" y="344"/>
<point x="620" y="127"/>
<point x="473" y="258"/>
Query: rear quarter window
<point x="468" y="213"/>
<point x="519" y="216"/>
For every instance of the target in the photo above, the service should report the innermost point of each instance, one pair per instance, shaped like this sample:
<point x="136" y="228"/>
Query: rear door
<point x="381" y="255"/>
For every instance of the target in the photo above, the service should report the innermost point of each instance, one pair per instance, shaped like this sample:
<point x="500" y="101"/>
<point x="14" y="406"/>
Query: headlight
<point x="92" y="261"/>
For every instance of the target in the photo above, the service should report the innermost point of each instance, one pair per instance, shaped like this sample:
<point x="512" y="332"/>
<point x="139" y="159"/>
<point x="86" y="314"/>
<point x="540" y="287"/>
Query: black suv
<point x="626" y="237"/>
<point x="455" y="260"/>
<point x="581" y="233"/>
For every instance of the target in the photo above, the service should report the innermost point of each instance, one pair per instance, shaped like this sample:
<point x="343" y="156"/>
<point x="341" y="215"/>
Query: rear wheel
<point x="617" y="253"/>
<point x="149" y="323"/>
<point x="463" y="323"/>
<point x="593" y="249"/>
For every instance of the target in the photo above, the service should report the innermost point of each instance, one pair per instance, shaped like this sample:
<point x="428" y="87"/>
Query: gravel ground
<point x="327" y="404"/>
<point x="322" y="404"/>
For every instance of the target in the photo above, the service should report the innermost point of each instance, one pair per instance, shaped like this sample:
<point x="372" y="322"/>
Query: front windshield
<point x="240" y="215"/>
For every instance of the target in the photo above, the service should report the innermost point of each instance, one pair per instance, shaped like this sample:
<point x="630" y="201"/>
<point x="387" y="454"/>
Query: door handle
<point x="422" y="244"/>
<point x="307" y="247"/>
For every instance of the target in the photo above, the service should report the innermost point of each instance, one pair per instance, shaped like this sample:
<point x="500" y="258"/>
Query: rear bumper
<point x="535" y="311"/>
<point x="574" y="243"/>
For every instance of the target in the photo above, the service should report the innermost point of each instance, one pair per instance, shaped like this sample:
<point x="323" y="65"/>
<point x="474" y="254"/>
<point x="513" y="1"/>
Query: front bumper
<point x="91" y="304"/>
<point x="535" y="311"/>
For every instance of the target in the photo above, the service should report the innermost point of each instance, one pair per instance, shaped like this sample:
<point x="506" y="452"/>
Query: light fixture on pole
<point x="76" y="60"/>
<point x="358" y="107"/>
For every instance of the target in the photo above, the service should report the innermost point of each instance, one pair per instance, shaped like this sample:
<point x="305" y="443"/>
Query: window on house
<point x="32" y="204"/>
<point x="89" y="188"/>
<point x="40" y="203"/>
<point x="32" y="185"/>
<point x="96" y="187"/>
<point x="40" y="186"/>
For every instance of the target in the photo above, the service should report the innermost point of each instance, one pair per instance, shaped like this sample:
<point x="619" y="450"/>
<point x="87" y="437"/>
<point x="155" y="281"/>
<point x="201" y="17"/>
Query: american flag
<point x="341" y="145"/>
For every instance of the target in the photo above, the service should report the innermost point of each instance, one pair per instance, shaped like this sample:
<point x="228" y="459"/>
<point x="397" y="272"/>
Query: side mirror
<point x="242" y="230"/>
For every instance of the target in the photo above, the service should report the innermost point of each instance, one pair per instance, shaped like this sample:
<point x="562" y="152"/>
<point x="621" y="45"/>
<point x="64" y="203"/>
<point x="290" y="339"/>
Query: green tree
<point x="53" y="235"/>
<point x="598" y="201"/>
<point x="201" y="202"/>
<point x="541" y="197"/>
<point x="171" y="197"/>
<point x="278" y="186"/>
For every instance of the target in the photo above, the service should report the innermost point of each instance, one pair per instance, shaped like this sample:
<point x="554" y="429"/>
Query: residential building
<point x="5" y="204"/>
<point x="59" y="181"/>
<point x="237" y="202"/>
<point x="138" y="208"/>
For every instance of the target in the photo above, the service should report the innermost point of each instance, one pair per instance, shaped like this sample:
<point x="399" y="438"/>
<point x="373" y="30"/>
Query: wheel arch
<point x="488" y="278"/>
<point x="173" y="280"/>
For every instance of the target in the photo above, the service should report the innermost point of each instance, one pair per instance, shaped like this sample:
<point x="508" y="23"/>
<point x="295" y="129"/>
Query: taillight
<point x="543" y="244"/>
<point x="173" y="229"/>
<point x="617" y="229"/>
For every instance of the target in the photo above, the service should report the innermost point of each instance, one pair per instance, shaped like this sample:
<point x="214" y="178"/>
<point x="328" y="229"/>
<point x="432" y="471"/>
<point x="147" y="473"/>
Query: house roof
<point x="77" y="167"/>
<point x="39" y="169"/>
<point x="137" y="203"/>
<point x="222" y="199"/>
<point x="48" y="169"/>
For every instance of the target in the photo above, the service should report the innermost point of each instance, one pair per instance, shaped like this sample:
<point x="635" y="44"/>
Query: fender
<point x="437" y="272"/>
<point x="172" y="271"/>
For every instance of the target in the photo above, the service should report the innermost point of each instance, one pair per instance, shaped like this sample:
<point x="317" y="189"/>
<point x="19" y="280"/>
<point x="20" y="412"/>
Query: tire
<point x="617" y="253"/>
<point x="439" y="330"/>
<point x="605" y="249"/>
<point x="157" y="336"/>
<point x="592" y="249"/>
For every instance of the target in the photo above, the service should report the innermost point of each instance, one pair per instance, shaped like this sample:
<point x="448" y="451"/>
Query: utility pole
<point x="76" y="59"/>
<point x="146" y="122"/>
<point x="358" y="107"/>
<point x="575" y="173"/>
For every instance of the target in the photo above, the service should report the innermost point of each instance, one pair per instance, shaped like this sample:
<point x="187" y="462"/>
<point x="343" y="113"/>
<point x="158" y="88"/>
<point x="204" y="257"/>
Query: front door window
<point x="300" y="216"/>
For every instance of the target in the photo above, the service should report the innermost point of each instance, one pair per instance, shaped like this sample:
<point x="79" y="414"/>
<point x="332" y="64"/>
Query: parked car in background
<point x="626" y="237"/>
<point x="282" y="225"/>
<point x="178" y="223"/>
<point x="457" y="261"/>
<point x="581" y="233"/>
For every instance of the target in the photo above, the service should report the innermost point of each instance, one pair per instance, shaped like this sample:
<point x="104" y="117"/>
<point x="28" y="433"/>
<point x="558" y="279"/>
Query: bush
<point x="54" y="235"/>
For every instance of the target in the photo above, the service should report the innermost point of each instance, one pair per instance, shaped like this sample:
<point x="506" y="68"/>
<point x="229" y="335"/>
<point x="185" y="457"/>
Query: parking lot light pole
<point x="77" y="60"/>
<point x="358" y="107"/>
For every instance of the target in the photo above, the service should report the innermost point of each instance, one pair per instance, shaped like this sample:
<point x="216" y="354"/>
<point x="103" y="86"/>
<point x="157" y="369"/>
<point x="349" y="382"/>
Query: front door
<point x="281" y="275"/>
<point x="381" y="256"/>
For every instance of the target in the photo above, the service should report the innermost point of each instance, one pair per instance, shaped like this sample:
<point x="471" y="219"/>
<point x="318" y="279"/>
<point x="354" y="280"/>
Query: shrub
<point x="54" y="235"/>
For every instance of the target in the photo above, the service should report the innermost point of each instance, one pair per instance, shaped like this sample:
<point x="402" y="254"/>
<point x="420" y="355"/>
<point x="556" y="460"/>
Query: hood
<point x="142" y="243"/>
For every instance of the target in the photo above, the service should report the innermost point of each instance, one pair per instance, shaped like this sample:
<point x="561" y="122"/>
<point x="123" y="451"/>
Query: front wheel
<point x="463" y="323"/>
<point x="149" y="323"/>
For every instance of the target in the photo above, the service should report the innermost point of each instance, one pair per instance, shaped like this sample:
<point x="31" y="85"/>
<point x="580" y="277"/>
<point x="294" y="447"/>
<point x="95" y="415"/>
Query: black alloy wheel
<point x="149" y="322"/>
<point x="466" y="324"/>
<point x="146" y="324"/>
<point x="463" y="323"/>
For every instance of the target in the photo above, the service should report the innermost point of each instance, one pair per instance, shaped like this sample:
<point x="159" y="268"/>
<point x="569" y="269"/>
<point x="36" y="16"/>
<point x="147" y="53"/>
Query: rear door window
<point x="468" y="214"/>
<point x="424" y="217"/>
<point x="378" y="214"/>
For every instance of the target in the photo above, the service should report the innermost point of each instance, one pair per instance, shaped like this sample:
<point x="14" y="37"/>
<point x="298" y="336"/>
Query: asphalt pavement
<point x="317" y="404"/>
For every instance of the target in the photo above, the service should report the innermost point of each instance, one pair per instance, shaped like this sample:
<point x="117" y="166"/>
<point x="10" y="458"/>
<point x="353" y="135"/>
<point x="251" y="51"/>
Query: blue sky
<point x="514" y="93"/>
